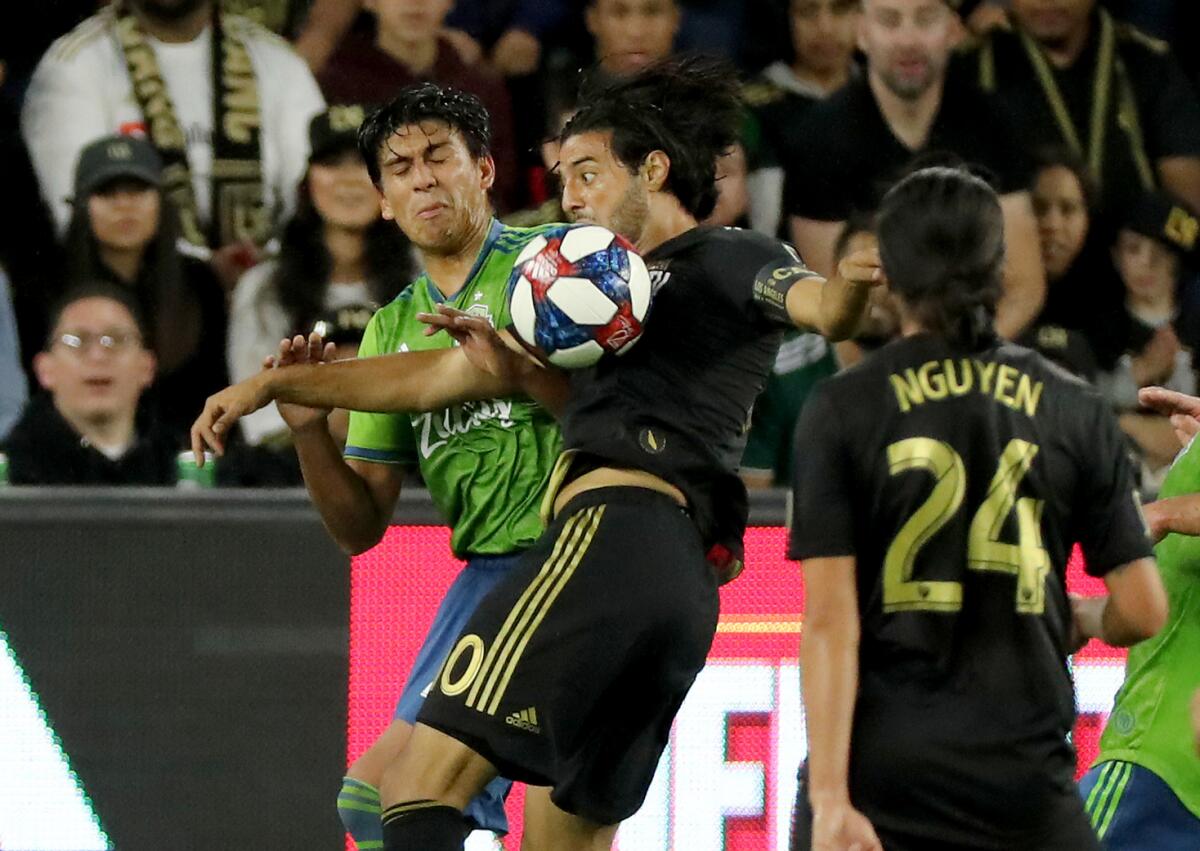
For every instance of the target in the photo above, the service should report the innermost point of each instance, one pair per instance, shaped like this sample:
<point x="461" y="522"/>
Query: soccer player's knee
<point x="435" y="766"/>
<point x="358" y="808"/>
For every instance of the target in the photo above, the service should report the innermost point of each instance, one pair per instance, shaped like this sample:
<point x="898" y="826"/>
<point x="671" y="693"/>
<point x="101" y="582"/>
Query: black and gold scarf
<point x="1109" y="78"/>
<point x="238" y="210"/>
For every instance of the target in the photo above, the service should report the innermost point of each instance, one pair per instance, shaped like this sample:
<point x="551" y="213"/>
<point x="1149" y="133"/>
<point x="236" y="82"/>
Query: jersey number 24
<point x="1027" y="559"/>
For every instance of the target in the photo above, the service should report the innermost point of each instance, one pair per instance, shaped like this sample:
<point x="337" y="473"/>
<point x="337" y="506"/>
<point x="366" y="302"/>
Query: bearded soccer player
<point x="648" y="510"/>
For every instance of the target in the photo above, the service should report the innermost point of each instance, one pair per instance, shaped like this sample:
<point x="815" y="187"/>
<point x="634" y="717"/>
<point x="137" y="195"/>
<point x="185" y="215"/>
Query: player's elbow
<point x="1143" y="618"/>
<point x="837" y="329"/>
<point x="1153" y="616"/>
<point x="355" y="542"/>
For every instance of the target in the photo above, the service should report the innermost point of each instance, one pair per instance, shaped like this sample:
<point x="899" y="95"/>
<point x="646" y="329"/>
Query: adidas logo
<point x="526" y="720"/>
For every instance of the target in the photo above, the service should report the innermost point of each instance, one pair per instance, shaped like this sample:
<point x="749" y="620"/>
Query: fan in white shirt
<point x="82" y="90"/>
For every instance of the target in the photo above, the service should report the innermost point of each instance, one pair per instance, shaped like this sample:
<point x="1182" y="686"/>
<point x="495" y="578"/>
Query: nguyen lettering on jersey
<point x="941" y="379"/>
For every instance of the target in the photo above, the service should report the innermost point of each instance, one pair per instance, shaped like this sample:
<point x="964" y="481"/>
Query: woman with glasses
<point x="124" y="231"/>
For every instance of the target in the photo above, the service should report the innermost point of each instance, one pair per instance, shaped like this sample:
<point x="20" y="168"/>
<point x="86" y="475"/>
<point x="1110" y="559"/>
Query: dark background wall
<point x="190" y="652"/>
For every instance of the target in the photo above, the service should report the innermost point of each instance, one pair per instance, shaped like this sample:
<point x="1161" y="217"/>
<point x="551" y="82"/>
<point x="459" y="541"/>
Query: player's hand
<point x="862" y="267"/>
<point x="1156" y="520"/>
<point x="1183" y="410"/>
<point x="224" y="409"/>
<point x="837" y="826"/>
<point x="300" y="350"/>
<point x="230" y="262"/>
<point x="480" y="341"/>
<point x="988" y="16"/>
<point x="467" y="48"/>
<point x="516" y="53"/>
<point x="1156" y="361"/>
<point x="1087" y="614"/>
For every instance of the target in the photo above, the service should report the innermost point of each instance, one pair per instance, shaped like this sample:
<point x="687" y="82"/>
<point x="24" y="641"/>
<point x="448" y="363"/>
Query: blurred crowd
<point x="184" y="188"/>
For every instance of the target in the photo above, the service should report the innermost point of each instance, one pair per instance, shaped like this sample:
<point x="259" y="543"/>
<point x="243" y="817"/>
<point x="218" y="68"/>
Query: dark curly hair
<point x="462" y="111"/>
<point x="689" y="108"/>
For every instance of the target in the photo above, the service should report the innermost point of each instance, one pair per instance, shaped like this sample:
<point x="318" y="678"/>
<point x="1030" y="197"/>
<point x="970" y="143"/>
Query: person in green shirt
<point x="486" y="463"/>
<point x="1143" y="791"/>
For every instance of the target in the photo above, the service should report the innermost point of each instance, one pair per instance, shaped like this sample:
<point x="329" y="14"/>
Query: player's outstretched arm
<point x="407" y="381"/>
<point x="1183" y="410"/>
<point x="1177" y="514"/>
<point x="836" y="306"/>
<point x="355" y="498"/>
<point x="500" y="354"/>
<point x="829" y="665"/>
<point x="1134" y="610"/>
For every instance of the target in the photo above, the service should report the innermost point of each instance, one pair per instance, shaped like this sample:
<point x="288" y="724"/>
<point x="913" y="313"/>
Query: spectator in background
<point x="224" y="101"/>
<point x="1069" y="74"/>
<point x="823" y="40"/>
<point x="860" y="140"/>
<point x="88" y="427"/>
<point x="336" y="251"/>
<point x="13" y="389"/>
<point x="733" y="197"/>
<point x="513" y="33"/>
<point x="407" y="45"/>
<point x="124" y="231"/>
<point x="1084" y="297"/>
<point x="881" y="324"/>
<point x="29" y="251"/>
<point x="1149" y="253"/>
<point x="560" y="106"/>
<point x="630" y="34"/>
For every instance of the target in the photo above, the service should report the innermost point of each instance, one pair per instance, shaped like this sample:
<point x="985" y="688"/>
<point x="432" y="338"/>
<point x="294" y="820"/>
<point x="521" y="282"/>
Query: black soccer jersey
<point x="960" y="481"/>
<point x="678" y="404"/>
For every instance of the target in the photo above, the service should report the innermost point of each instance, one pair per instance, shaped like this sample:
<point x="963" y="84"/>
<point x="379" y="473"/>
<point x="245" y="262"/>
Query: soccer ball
<point x="577" y="292"/>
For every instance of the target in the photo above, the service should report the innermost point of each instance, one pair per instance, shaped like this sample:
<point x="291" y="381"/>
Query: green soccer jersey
<point x="486" y="463"/>
<point x="804" y="360"/>
<point x="1150" y="724"/>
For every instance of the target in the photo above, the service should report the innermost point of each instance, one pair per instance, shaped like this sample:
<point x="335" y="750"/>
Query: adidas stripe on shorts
<point x="570" y="673"/>
<point x="1133" y="809"/>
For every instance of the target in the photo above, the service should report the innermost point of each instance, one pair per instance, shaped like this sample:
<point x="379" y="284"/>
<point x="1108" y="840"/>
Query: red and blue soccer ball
<point x="578" y="292"/>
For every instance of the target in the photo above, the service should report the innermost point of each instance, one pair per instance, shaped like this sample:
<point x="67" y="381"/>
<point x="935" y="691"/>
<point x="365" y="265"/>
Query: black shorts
<point x="1064" y="827"/>
<point x="571" y="671"/>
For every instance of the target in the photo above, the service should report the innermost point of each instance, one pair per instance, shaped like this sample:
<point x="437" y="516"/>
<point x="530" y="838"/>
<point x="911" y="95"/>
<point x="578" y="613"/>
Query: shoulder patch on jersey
<point x="1130" y="33"/>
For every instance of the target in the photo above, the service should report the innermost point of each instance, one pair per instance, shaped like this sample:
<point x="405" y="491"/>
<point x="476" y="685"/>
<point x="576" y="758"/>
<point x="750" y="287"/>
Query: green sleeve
<point x="766" y="427"/>
<point x="383" y="438"/>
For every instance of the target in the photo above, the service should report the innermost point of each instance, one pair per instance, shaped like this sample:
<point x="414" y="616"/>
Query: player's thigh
<point x="548" y="828"/>
<point x="369" y="767"/>
<point x="434" y="766"/>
